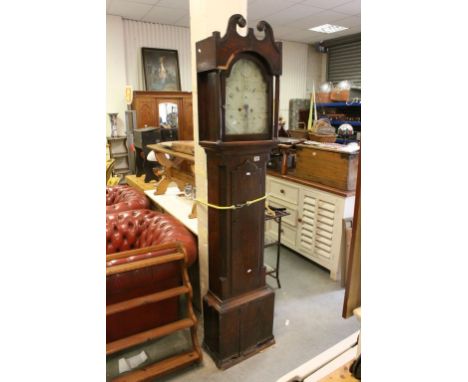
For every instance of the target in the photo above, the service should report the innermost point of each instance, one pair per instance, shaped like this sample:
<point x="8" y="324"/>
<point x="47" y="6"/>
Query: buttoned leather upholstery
<point x="124" y="198"/>
<point x="140" y="229"/>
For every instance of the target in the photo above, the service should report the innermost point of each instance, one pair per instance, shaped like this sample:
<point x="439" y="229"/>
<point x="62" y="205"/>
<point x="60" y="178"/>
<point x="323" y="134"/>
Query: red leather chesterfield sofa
<point x="126" y="232"/>
<point x="124" y="198"/>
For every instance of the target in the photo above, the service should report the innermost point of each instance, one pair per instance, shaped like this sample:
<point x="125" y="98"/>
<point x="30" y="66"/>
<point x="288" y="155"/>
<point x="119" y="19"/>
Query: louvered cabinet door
<point x="307" y="224"/>
<point x="319" y="230"/>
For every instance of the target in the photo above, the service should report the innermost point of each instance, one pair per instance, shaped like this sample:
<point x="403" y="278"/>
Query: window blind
<point x="344" y="63"/>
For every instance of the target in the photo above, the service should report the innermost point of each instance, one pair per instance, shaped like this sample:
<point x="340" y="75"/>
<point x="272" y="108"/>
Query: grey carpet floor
<point x="307" y="321"/>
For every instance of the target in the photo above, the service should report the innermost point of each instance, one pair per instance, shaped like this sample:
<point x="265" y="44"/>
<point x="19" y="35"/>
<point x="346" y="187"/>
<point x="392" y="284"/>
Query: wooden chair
<point x="173" y="253"/>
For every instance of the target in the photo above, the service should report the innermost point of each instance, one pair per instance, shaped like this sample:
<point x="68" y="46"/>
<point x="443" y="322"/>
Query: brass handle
<point x="299" y="220"/>
<point x="282" y="191"/>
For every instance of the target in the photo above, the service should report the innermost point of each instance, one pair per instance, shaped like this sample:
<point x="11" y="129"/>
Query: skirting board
<point x="318" y="368"/>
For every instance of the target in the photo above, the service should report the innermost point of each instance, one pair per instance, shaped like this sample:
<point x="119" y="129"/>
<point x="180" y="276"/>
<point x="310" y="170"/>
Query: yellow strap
<point x="234" y="206"/>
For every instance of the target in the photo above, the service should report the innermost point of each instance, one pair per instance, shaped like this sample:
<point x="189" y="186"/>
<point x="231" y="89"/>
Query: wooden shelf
<point x="140" y="301"/>
<point x="119" y="155"/>
<point x="161" y="331"/>
<point x="160" y="368"/>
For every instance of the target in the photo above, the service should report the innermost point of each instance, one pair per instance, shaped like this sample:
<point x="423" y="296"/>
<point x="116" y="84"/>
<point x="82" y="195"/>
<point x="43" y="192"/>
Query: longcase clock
<point x="238" y="92"/>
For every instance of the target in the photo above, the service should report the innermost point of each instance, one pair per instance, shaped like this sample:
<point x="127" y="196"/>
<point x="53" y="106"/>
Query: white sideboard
<point x="314" y="228"/>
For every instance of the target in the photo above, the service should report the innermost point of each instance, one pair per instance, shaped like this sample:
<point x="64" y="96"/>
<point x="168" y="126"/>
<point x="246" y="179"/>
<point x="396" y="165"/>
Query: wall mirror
<point x="168" y="115"/>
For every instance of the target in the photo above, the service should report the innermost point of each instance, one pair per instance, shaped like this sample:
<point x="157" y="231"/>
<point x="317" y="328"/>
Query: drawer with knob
<point x="284" y="191"/>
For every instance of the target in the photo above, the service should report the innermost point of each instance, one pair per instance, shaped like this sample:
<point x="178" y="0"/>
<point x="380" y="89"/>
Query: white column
<point x="206" y="16"/>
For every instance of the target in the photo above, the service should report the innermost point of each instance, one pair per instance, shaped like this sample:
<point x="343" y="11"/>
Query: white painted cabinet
<point x="314" y="228"/>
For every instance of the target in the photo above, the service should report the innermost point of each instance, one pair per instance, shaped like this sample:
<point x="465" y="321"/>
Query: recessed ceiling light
<point x="328" y="28"/>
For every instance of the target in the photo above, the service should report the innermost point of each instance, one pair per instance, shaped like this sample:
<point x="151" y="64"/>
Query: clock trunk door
<point x="247" y="227"/>
<point x="247" y="95"/>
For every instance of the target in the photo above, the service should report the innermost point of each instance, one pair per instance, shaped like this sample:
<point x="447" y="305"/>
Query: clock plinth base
<point x="239" y="327"/>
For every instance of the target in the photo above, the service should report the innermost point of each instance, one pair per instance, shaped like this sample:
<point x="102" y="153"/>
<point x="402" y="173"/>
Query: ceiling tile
<point x="351" y="21"/>
<point x="350" y="8"/>
<point x="324" y="4"/>
<point x="149" y="2"/>
<point x="182" y="4"/>
<point x="252" y="23"/>
<point x="134" y="11"/>
<point x="325" y="17"/>
<point x="300" y="36"/>
<point x="164" y="15"/>
<point x="184" y="21"/>
<point x="281" y="31"/>
<point x="262" y="8"/>
<point x="291" y="14"/>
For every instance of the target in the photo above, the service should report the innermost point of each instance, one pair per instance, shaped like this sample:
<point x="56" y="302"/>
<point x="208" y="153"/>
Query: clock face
<point x="246" y="110"/>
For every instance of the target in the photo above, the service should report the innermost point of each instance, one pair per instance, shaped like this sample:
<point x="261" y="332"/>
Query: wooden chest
<point x="328" y="167"/>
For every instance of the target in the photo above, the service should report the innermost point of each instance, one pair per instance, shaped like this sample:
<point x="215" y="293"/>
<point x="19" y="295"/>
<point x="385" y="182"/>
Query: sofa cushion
<point x="124" y="198"/>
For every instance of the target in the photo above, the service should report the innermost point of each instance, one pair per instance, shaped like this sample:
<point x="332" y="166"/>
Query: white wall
<point x="294" y="78"/>
<point x="139" y="34"/>
<point x="115" y="72"/>
<point x="301" y="66"/>
<point x="316" y="63"/>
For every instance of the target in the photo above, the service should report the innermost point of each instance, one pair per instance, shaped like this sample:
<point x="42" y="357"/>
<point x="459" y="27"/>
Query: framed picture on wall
<point x="161" y="69"/>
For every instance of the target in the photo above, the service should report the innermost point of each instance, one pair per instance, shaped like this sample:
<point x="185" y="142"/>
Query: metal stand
<point x="274" y="272"/>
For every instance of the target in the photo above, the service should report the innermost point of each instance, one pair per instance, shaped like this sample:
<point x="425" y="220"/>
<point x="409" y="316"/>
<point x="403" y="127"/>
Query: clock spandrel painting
<point x="246" y="99"/>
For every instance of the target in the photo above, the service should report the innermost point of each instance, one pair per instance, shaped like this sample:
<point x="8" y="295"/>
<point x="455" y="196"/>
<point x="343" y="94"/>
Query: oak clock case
<point x="237" y="78"/>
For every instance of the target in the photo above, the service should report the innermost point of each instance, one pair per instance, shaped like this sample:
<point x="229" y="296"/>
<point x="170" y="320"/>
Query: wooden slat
<point x="143" y="263"/>
<point x="139" y="183"/>
<point x="159" y="368"/>
<point x="144" y="300"/>
<point x="148" y="335"/>
<point x="138" y="251"/>
<point x="159" y="147"/>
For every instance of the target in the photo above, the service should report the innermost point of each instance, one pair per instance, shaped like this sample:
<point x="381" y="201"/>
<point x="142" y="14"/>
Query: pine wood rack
<point x="173" y="252"/>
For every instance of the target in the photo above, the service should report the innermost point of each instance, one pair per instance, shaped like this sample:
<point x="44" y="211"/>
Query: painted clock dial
<point x="246" y="109"/>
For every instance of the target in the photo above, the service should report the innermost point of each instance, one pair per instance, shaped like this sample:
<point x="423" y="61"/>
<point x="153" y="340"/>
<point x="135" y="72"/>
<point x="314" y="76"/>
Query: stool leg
<point x="278" y="249"/>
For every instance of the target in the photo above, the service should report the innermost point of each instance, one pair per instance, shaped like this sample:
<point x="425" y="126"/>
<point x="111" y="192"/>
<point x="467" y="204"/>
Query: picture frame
<point x="161" y="69"/>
